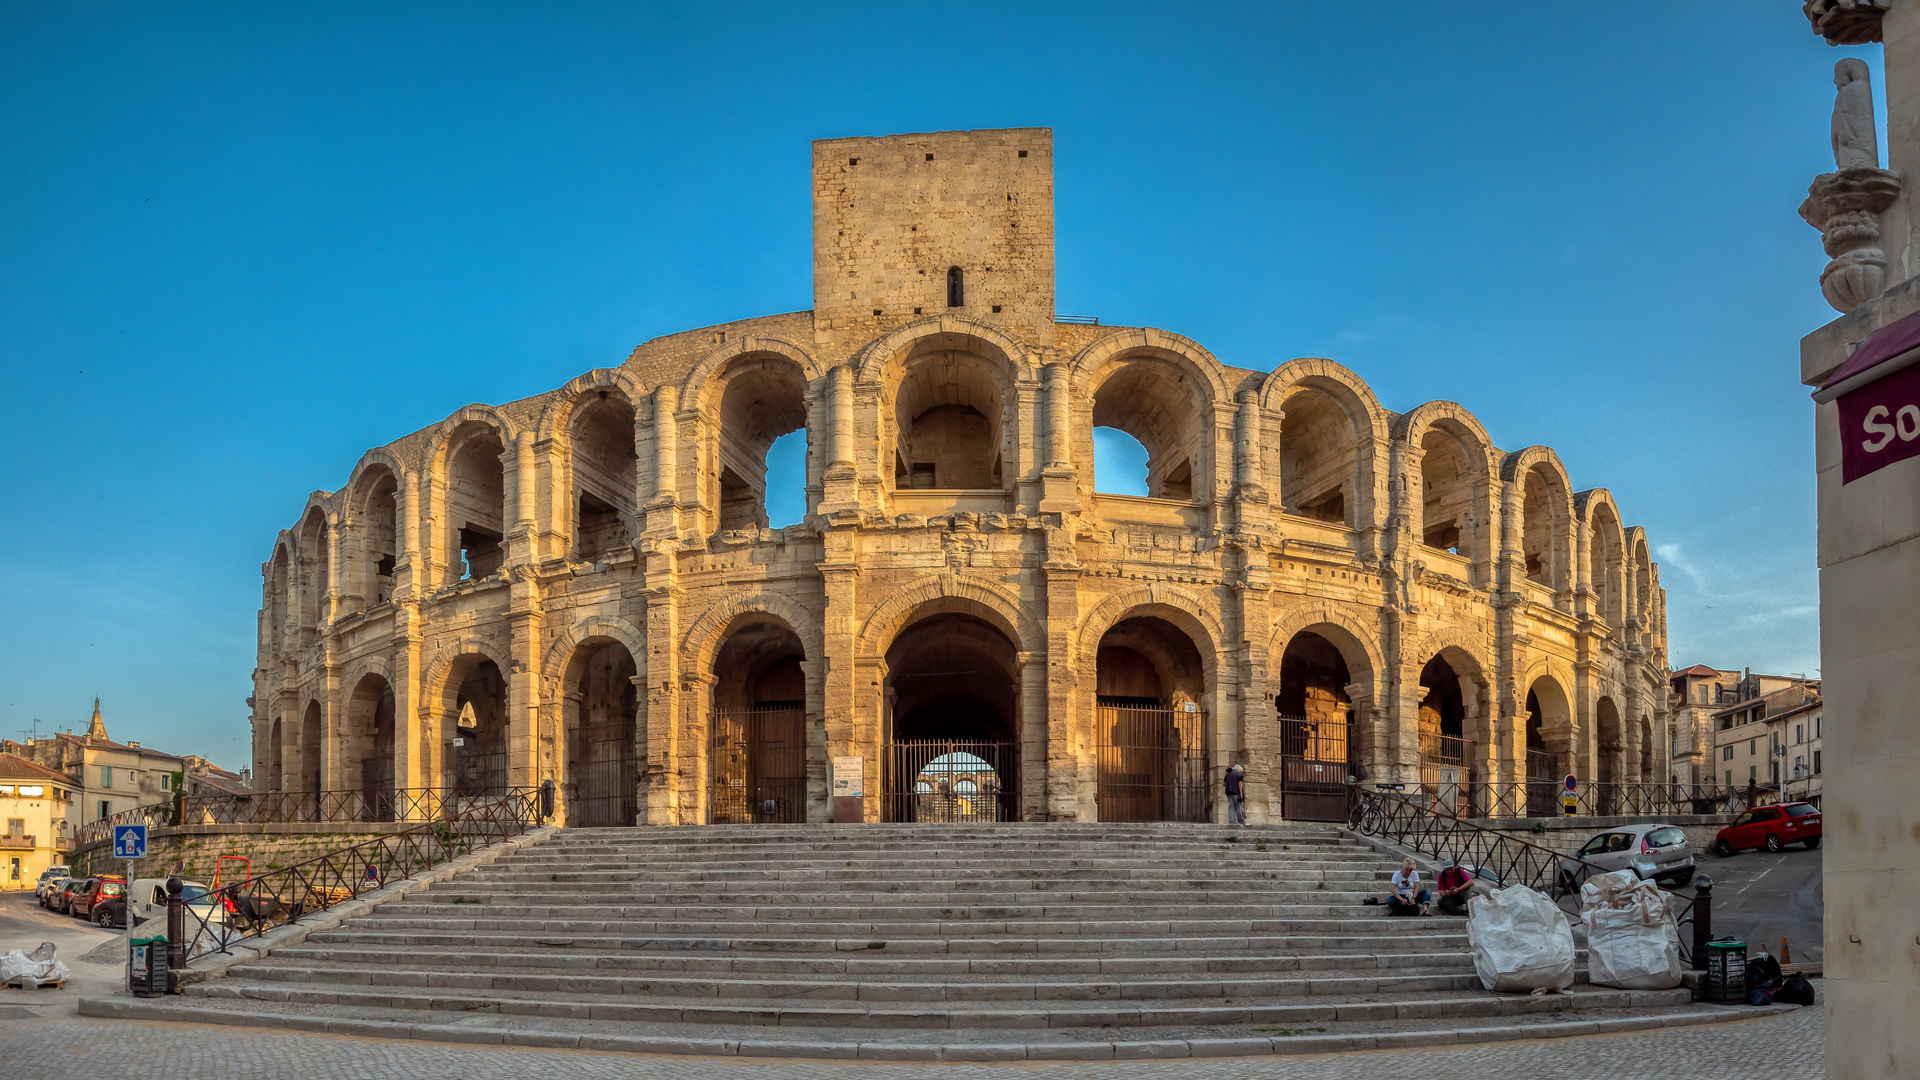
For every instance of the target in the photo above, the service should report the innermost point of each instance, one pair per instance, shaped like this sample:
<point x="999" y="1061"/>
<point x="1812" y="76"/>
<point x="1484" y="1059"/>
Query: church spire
<point x="97" y="730"/>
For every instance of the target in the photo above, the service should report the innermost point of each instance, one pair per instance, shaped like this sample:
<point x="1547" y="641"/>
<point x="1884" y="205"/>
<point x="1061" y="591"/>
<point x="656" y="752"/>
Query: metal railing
<point x="1498" y="859"/>
<point x="153" y="816"/>
<point x="279" y="897"/>
<point x="1527" y="798"/>
<point x="325" y="807"/>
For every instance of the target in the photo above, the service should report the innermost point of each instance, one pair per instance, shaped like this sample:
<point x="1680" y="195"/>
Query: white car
<point x="1654" y="852"/>
<point x="51" y="879"/>
<point x="150" y="902"/>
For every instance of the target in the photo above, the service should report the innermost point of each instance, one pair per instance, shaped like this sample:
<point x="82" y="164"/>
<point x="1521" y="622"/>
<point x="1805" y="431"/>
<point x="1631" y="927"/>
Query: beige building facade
<point x="1869" y="546"/>
<point x="111" y="777"/>
<point x="581" y="586"/>
<point x="37" y="807"/>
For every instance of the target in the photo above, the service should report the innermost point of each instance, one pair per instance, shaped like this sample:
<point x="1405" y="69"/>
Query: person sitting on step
<point x="1406" y="897"/>
<point x="1455" y="885"/>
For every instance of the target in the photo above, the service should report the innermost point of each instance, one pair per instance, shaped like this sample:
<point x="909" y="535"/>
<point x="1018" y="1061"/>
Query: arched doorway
<point x="275" y="779"/>
<point x="476" y="750"/>
<point x="1318" y="750"/>
<point x="952" y="721"/>
<point x="601" y="708"/>
<point x="1445" y="752"/>
<point x="757" y="765"/>
<point x="1149" y="732"/>
<point x="1610" y="763"/>
<point x="311" y="779"/>
<point x="1548" y="721"/>
<point x="367" y="753"/>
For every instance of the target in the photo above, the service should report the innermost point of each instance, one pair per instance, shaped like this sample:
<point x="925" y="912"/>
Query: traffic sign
<point x="1572" y="782"/>
<point x="129" y="841"/>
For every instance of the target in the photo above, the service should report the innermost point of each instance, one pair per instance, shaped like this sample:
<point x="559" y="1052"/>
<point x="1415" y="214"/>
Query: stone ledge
<point x="125" y="1008"/>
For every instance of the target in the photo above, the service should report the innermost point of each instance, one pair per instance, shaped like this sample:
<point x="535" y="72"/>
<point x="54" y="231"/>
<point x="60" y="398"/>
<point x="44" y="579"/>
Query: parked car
<point x="62" y="901"/>
<point x="1771" y="827"/>
<point x="98" y="901"/>
<point x="1654" y="852"/>
<point x="51" y="881"/>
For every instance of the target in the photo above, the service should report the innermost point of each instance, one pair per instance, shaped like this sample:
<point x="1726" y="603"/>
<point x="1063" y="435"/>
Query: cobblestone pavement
<point x="1791" y="1045"/>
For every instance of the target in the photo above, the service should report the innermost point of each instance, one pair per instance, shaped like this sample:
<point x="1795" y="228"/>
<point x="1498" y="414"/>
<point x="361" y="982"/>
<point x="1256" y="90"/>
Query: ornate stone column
<point x="1845" y="207"/>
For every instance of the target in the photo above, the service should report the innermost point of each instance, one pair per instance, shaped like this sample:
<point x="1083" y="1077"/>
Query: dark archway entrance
<point x="758" y="736"/>
<point x="603" y="782"/>
<point x="1443" y="741"/>
<point x="1149" y="732"/>
<point x="1316" y="730"/>
<point x="953" y="751"/>
<point x="478" y="762"/>
<point x="368" y="755"/>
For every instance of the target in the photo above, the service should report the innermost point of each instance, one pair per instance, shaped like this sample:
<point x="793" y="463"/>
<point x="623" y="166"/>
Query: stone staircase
<point x="906" y="941"/>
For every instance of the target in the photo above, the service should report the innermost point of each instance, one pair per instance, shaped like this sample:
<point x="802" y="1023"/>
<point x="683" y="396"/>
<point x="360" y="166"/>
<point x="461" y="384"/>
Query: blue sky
<point x="245" y="243"/>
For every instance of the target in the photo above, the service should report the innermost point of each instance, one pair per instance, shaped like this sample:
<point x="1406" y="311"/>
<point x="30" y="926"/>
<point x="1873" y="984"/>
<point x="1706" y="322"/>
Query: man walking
<point x="1236" y="802"/>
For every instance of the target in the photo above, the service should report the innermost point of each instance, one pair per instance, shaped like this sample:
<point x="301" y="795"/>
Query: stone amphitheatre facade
<point x="581" y="586"/>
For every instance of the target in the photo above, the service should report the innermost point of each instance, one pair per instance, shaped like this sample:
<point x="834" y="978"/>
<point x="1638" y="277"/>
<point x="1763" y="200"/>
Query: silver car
<point x="1657" y="852"/>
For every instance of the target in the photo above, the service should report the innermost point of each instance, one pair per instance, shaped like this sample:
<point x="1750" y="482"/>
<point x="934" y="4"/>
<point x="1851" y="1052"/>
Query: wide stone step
<point x="935" y="870"/>
<point x="575" y="957"/>
<point x="644" y="883"/>
<point x="905" y="898"/>
<point x="927" y="937"/>
<point x="509" y="941"/>
<point x="424" y="912"/>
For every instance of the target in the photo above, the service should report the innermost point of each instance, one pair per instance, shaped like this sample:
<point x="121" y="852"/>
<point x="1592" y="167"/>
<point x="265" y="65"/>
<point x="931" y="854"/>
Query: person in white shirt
<point x="1407" y="897"/>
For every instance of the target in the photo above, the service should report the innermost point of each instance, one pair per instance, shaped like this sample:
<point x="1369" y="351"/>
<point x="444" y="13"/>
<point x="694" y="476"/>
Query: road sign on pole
<point x="129" y="841"/>
<point x="1572" y="782"/>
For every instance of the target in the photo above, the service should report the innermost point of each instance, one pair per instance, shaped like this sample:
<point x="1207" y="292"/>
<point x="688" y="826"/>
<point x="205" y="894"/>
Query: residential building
<point x="1770" y="743"/>
<point x="1696" y="694"/>
<point x="37" y="806"/>
<point x="112" y="776"/>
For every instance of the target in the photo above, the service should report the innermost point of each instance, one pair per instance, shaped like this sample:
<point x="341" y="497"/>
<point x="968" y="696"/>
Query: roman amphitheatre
<point x="582" y="587"/>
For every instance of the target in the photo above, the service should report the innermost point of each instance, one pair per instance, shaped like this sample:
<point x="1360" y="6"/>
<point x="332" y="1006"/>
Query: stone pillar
<point x="1059" y="435"/>
<point x="1070" y="791"/>
<point x="1033" y="736"/>
<point x="1246" y="447"/>
<point x="660" y="789"/>
<point x="666" y="447"/>
<point x="526" y="624"/>
<point x="840" y="393"/>
<point x="409" y="583"/>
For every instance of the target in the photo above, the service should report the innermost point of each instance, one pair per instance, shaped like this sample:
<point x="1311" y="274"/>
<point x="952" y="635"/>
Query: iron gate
<point x="603" y="784"/>
<point x="936" y="780"/>
<point x="1543" y="785"/>
<point x="476" y="773"/>
<point x="1316" y="757"/>
<point x="1151" y="764"/>
<point x="376" y="788"/>
<point x="759" y="766"/>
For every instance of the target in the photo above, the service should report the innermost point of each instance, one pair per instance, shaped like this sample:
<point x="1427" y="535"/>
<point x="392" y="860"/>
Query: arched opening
<point x="1119" y="463"/>
<point x="1150" y="735"/>
<point x="375" y="531"/>
<point x="1543" y="524"/>
<point x="757" y="769"/>
<point x="1319" y="458"/>
<point x="1447" y="495"/>
<point x="1546" y="735"/>
<point x="276" y="778"/>
<point x="948" y="413"/>
<point x="475" y="503"/>
<point x="1642" y="587"/>
<point x="1151" y="400"/>
<point x="1604" y="568"/>
<point x="314" y="565"/>
<point x="311" y="752"/>
<point x="1610" y="768"/>
<point x="601" y="712"/>
<point x="1446" y="750"/>
<point x="475" y="750"/>
<point x="952" y="712"/>
<point x="603" y="464"/>
<point x="764" y="398"/>
<point x="277" y="596"/>
<point x="1649" y="771"/>
<point x="1318" y="747"/>
<point x="367" y="747"/>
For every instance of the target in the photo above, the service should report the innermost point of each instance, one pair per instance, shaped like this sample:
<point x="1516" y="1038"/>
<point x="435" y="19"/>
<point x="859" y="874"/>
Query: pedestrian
<point x="1236" y="799"/>
<point x="1455" y="885"/>
<point x="1406" y="896"/>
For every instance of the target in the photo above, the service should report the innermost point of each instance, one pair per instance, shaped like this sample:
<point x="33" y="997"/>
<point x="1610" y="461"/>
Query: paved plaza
<point x="1790" y="1045"/>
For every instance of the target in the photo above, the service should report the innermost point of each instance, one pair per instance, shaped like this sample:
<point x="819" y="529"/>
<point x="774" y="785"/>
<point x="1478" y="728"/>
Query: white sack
<point x="1632" y="941"/>
<point x="1520" y="941"/>
<point x="41" y="965"/>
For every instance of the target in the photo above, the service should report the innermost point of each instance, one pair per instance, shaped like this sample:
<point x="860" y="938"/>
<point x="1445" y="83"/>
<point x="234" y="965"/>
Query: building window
<point x="1726" y="752"/>
<point x="106" y="776"/>
<point x="1816" y="763"/>
<point x="16" y="826"/>
<point x="1729" y="777"/>
<point x="166" y="781"/>
<point x="106" y="810"/>
<point x="1753" y="773"/>
<point x="32" y="791"/>
<point x="956" y="287"/>
<point x="1753" y="746"/>
<point x="1799" y="735"/>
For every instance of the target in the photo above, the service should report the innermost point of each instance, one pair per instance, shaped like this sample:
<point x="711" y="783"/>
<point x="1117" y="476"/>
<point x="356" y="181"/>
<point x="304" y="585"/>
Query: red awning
<point x="1895" y="339"/>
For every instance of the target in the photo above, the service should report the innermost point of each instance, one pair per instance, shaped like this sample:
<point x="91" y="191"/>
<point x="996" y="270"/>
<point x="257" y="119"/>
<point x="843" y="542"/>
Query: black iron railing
<point x="1494" y="858"/>
<point x="328" y="807"/>
<point x="153" y="816"/>
<point x="267" y="901"/>
<point x="1531" y="798"/>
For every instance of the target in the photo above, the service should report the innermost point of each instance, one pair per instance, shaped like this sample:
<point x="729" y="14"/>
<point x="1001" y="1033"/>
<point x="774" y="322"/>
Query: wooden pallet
<point x="28" y="982"/>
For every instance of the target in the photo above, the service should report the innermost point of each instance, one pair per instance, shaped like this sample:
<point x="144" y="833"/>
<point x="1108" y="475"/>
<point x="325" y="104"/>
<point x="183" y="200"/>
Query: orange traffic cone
<point x="1786" y="957"/>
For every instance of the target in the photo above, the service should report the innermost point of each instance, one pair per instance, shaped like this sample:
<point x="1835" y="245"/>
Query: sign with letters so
<point x="1879" y="424"/>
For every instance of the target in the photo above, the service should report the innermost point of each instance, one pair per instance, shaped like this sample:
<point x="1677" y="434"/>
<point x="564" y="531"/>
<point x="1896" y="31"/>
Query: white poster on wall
<point x="849" y="776"/>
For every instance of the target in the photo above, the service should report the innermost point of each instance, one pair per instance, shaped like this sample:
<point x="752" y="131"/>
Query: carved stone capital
<point x="1847" y="22"/>
<point x="1843" y="205"/>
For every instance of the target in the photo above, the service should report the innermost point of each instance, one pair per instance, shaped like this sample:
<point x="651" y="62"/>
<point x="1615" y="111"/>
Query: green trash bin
<point x="147" y="967"/>
<point x="1726" y="981"/>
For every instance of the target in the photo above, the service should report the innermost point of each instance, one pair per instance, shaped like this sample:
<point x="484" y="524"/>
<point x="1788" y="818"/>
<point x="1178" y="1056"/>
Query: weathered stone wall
<point x="949" y="613"/>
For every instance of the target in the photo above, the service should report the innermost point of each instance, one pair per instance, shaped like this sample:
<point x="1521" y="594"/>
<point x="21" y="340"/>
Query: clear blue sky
<point x="244" y="243"/>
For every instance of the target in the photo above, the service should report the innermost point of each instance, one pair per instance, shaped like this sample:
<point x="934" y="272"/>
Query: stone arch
<point x="1434" y="502"/>
<point x="360" y="667"/>
<point x="749" y="394"/>
<point x="1164" y="392"/>
<point x="699" y="381"/>
<point x="442" y="543"/>
<point x="1604" y="568"/>
<point x="701" y="639"/>
<point x="1640" y="577"/>
<point x="313" y="562"/>
<point x="558" y="415"/>
<point x="560" y="657"/>
<point x="369" y="543"/>
<point x="435" y="686"/>
<point x="1170" y="602"/>
<point x="1550" y="538"/>
<point x="443" y="433"/>
<point x="868" y="363"/>
<point x="996" y="605"/>
<point x="1357" y="642"/>
<point x="1333" y="379"/>
<point x="1089" y="367"/>
<point x="1307" y="495"/>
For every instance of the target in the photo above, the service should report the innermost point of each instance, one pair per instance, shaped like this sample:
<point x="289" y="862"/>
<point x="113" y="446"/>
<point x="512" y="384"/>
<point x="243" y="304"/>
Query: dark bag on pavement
<point x="1762" y="971"/>
<point x="1759" y="995"/>
<point x="1795" y="991"/>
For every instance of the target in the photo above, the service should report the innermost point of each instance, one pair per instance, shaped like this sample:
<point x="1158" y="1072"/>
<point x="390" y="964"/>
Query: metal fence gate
<point x="940" y="780"/>
<point x="376" y="788"/>
<point x="603" y="784"/>
<point x="759" y="766"/>
<point x="1543" y="785"/>
<point x="1151" y="764"/>
<point x="1316" y="757"/>
<point x="475" y="773"/>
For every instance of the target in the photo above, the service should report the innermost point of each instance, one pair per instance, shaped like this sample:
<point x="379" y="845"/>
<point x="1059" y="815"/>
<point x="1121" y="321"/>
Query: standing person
<point x="1454" y="884"/>
<point x="1236" y="800"/>
<point x="1407" y="897"/>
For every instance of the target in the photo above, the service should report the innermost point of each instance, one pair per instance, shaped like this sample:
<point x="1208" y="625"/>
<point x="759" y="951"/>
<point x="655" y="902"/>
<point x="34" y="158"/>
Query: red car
<point x="1771" y="827"/>
<point x="97" y="901"/>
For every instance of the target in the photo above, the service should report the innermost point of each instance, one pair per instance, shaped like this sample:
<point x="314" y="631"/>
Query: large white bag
<point x="40" y="965"/>
<point x="1520" y="941"/>
<point x="1632" y="941"/>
